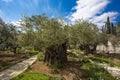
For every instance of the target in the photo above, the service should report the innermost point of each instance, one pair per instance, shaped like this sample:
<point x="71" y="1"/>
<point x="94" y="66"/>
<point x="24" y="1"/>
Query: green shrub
<point x="83" y="60"/>
<point x="40" y="57"/>
<point x="32" y="52"/>
<point x="18" y="50"/>
<point x="86" y="66"/>
<point x="72" y="55"/>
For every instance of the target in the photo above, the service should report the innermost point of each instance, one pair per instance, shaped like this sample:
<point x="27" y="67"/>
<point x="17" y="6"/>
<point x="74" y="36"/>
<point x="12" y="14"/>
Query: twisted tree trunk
<point x="56" y="54"/>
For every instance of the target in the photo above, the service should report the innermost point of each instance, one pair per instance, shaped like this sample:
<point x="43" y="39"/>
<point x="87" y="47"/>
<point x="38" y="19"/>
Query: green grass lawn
<point x="31" y="76"/>
<point x="101" y="59"/>
<point x="34" y="76"/>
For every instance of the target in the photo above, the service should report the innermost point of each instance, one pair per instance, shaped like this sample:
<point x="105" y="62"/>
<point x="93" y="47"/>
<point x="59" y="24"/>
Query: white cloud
<point x="92" y="10"/>
<point x="16" y="23"/>
<point x="7" y="1"/>
<point x="100" y="20"/>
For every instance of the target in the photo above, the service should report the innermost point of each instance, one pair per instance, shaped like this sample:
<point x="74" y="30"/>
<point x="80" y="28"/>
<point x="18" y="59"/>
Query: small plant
<point x="112" y="64"/>
<point x="72" y="55"/>
<point x="40" y="57"/>
<point x="32" y="52"/>
<point x="46" y="63"/>
<point x="18" y="50"/>
<point x="83" y="60"/>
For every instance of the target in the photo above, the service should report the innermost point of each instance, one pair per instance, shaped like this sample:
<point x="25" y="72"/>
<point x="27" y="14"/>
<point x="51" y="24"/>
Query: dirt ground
<point x="71" y="72"/>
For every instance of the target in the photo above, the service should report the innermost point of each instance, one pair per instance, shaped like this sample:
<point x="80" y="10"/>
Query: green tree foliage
<point x="118" y="29"/>
<point x="84" y="35"/>
<point x="43" y="33"/>
<point x="8" y="35"/>
<point x="108" y="26"/>
<point x="113" y="29"/>
<point x="40" y="30"/>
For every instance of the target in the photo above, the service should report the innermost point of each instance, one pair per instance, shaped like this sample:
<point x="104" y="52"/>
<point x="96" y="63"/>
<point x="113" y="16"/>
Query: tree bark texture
<point x="56" y="53"/>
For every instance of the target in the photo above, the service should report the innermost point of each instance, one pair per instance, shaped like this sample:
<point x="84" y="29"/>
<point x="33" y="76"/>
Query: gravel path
<point x="17" y="69"/>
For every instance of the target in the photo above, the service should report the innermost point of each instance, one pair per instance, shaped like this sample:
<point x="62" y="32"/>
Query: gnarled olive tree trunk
<point x="56" y="53"/>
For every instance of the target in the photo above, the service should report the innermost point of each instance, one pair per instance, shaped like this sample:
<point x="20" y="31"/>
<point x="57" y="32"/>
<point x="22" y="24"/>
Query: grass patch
<point x="31" y="76"/>
<point x="101" y="59"/>
<point x="32" y="52"/>
<point x="34" y="76"/>
<point x="70" y="54"/>
<point x="40" y="57"/>
<point x="94" y="72"/>
<point x="83" y="60"/>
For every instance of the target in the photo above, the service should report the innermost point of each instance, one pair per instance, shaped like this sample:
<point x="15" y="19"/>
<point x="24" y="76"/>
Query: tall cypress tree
<point x="118" y="29"/>
<point x="113" y="28"/>
<point x="118" y="24"/>
<point x="108" y="26"/>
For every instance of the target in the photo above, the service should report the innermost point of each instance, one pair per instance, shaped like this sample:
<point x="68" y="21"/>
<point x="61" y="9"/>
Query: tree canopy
<point x="8" y="35"/>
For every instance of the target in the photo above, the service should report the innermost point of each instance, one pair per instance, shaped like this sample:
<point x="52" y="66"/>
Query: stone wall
<point x="108" y="49"/>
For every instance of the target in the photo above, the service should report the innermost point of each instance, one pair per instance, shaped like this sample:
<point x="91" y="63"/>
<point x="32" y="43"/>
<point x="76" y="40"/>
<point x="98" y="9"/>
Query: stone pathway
<point x="115" y="71"/>
<point x="17" y="69"/>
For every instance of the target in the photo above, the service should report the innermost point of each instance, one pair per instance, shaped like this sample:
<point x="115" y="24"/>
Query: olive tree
<point x="8" y="35"/>
<point x="84" y="35"/>
<point x="48" y="34"/>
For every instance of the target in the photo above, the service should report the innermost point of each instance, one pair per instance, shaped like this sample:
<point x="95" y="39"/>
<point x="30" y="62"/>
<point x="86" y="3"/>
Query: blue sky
<point x="95" y="11"/>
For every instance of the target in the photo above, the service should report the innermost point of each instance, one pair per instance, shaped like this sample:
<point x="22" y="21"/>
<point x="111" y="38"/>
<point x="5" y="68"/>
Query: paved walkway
<point x="17" y="69"/>
<point x="115" y="71"/>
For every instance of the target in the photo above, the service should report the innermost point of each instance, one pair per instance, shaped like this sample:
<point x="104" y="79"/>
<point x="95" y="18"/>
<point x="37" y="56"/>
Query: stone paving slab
<point x="115" y="71"/>
<point x="17" y="69"/>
